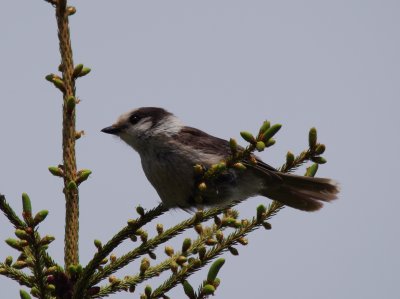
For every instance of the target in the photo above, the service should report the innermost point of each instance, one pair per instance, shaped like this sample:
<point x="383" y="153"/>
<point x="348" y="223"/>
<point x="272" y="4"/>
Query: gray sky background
<point x="224" y="67"/>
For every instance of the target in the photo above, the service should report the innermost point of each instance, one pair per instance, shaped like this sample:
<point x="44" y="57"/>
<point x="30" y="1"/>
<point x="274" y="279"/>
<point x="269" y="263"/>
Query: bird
<point x="169" y="151"/>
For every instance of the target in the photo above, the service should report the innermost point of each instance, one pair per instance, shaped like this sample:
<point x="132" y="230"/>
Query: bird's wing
<point x="214" y="145"/>
<point x="205" y="142"/>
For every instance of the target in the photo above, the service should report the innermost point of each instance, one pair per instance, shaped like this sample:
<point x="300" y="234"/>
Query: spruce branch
<point x="67" y="86"/>
<point x="38" y="265"/>
<point x="17" y="275"/>
<point x="10" y="214"/>
<point x="217" y="250"/>
<point x="133" y="281"/>
<point x="83" y="283"/>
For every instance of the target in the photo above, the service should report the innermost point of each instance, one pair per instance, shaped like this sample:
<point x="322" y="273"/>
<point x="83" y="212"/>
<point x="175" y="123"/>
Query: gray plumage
<point x="169" y="150"/>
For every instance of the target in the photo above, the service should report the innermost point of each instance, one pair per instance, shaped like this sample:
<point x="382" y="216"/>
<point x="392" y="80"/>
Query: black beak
<point x="112" y="130"/>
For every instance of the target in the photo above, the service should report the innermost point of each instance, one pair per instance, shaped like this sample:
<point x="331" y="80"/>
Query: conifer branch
<point x="67" y="86"/>
<point x="10" y="214"/>
<point x="156" y="270"/>
<point x="83" y="282"/>
<point x="17" y="275"/>
<point x="217" y="250"/>
<point x="132" y="281"/>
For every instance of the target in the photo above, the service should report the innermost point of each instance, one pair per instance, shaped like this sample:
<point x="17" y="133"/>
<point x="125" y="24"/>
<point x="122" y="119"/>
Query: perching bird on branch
<point x="169" y="150"/>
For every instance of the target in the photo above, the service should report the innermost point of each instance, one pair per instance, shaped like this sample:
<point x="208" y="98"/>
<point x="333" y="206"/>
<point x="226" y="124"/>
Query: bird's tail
<point x="303" y="193"/>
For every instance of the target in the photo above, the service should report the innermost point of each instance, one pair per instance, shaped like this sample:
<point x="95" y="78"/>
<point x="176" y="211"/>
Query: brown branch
<point x="71" y="250"/>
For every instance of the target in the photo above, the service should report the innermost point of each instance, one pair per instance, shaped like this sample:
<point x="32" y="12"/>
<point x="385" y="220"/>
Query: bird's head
<point x="141" y="125"/>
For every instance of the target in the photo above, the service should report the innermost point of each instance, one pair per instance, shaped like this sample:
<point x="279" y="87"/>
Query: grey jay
<point x="169" y="150"/>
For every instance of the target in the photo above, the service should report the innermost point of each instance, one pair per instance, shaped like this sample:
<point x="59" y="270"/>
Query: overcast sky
<point x="224" y="67"/>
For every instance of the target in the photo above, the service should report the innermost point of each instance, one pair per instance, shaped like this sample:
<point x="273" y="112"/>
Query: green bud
<point x="83" y="175"/>
<point x="144" y="265"/>
<point x="26" y="204"/>
<point x="198" y="228"/>
<point x="148" y="291"/>
<point x="233" y="145"/>
<point x="21" y="234"/>
<point x="208" y="289"/>
<point x="320" y="149"/>
<point x="14" y="243"/>
<point x="181" y="260"/>
<point x="77" y="70"/>
<point x="267" y="225"/>
<point x="319" y="160"/>
<point x="186" y="244"/>
<point x="57" y="171"/>
<point x="24" y="295"/>
<point x="72" y="186"/>
<point x="144" y="236"/>
<point x="196" y="263"/>
<point x="50" y="77"/>
<point x="216" y="282"/>
<point x="265" y="126"/>
<point x="140" y="210"/>
<point x="71" y="103"/>
<point x="270" y="142"/>
<point x="312" y="137"/>
<point x="239" y="166"/>
<point x="260" y="212"/>
<point x="289" y="158"/>
<point x="152" y="255"/>
<point x="35" y="292"/>
<point x="47" y="240"/>
<point x="199" y="215"/>
<point x="59" y="83"/>
<point x="84" y="72"/>
<point x="217" y="221"/>
<point x="8" y="261"/>
<point x="188" y="289"/>
<point x="169" y="250"/>
<point x="233" y="250"/>
<point x="51" y="287"/>
<point x="312" y="170"/>
<point x="260" y="146"/>
<point x="174" y="267"/>
<point x="52" y="270"/>
<point x="98" y="244"/>
<point x="40" y="216"/>
<point x="271" y="132"/>
<point x="202" y="252"/>
<point x="20" y="265"/>
<point x="228" y="221"/>
<point x="160" y="228"/>
<point x="214" y="269"/>
<point x="104" y="261"/>
<point x="248" y="136"/>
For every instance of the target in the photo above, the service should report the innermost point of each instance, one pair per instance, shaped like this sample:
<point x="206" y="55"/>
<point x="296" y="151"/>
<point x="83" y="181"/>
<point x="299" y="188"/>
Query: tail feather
<point x="303" y="193"/>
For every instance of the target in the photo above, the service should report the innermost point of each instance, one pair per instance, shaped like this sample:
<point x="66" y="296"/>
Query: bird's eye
<point x="134" y="119"/>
